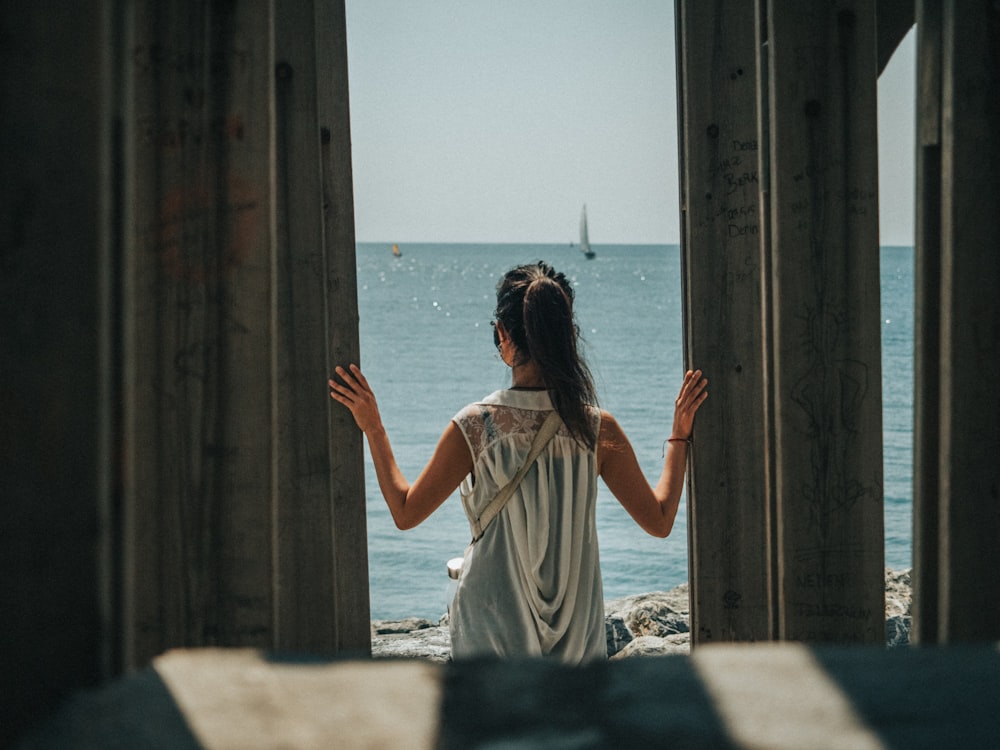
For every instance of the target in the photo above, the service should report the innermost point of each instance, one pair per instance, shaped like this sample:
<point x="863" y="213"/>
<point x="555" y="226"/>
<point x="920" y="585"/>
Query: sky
<point x="481" y="121"/>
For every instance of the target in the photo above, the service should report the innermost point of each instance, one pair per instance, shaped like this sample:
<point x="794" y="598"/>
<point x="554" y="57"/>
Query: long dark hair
<point x="535" y="307"/>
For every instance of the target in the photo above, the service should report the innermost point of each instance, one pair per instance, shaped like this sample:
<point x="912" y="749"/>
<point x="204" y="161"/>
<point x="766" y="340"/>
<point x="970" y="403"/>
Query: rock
<point x="432" y="642"/>
<point x="897" y="631"/>
<point x="898" y="593"/>
<point x="660" y="613"/>
<point x="898" y="598"/>
<point x="642" y="625"/>
<point x="676" y="599"/>
<point x="617" y="632"/>
<point x="652" y="645"/>
<point x="656" y="616"/>
<point x="406" y="625"/>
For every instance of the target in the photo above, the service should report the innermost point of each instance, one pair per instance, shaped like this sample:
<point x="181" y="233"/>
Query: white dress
<point x="532" y="585"/>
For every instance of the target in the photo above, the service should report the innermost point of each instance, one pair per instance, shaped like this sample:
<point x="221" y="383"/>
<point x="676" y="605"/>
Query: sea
<point x="427" y="350"/>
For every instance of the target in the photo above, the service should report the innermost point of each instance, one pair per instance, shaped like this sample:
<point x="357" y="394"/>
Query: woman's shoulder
<point x="467" y="411"/>
<point x="609" y="428"/>
<point x="476" y="409"/>
<point x="475" y="422"/>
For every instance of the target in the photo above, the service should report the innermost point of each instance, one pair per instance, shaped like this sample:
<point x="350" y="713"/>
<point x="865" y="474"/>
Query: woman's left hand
<point x="692" y="395"/>
<point x="355" y="393"/>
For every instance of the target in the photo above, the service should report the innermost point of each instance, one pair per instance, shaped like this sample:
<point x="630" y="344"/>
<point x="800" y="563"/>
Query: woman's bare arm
<point x="449" y="465"/>
<point x="653" y="508"/>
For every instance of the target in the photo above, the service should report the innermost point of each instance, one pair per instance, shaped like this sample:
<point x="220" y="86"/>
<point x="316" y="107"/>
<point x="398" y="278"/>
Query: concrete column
<point x="245" y="498"/>
<point x="826" y="333"/>
<point x="322" y="560"/>
<point x="968" y="397"/>
<point x="956" y="438"/>
<point x="927" y="327"/>
<point x="728" y="506"/>
<point x="345" y="461"/>
<point x="55" y="310"/>
<point x="780" y="262"/>
<point x="198" y="340"/>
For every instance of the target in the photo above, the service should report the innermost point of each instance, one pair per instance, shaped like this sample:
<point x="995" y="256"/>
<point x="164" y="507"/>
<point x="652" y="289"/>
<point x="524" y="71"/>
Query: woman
<point x="531" y="586"/>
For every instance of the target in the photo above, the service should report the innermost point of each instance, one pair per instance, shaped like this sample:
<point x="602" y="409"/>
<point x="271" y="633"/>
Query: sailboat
<point x="584" y="238"/>
<point x="395" y="251"/>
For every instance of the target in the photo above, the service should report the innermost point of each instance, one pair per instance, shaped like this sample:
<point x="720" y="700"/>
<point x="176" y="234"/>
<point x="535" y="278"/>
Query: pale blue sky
<point x="481" y="121"/>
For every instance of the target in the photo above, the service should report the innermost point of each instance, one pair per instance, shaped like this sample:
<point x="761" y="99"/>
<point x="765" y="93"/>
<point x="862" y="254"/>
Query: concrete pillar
<point x="55" y="408"/>
<point x="780" y="249"/>
<point x="957" y="482"/>
<point x="721" y="193"/>
<point x="322" y="571"/>
<point x="174" y="472"/>
<point x="198" y="342"/>
<point x="826" y="334"/>
<point x="927" y="326"/>
<point x="245" y="500"/>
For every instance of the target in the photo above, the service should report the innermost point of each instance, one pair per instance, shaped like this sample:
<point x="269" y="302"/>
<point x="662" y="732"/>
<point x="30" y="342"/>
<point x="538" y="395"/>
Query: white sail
<point x="584" y="236"/>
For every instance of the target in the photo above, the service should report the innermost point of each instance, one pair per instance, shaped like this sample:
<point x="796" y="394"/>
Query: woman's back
<point x="532" y="584"/>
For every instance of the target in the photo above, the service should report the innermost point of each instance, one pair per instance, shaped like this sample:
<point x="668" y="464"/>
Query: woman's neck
<point x="527" y="375"/>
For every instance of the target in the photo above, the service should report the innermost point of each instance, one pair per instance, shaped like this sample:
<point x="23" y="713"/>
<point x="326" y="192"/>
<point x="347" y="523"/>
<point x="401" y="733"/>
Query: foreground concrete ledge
<point x="722" y="696"/>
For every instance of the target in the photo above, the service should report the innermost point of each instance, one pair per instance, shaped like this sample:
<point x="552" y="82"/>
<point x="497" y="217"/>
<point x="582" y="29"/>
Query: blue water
<point x="427" y="350"/>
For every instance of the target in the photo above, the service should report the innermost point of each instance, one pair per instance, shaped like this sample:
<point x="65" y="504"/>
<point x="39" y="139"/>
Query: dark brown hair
<point x="535" y="306"/>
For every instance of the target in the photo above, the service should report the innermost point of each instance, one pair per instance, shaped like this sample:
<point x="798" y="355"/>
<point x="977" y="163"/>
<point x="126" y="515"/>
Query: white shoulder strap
<point x="545" y="433"/>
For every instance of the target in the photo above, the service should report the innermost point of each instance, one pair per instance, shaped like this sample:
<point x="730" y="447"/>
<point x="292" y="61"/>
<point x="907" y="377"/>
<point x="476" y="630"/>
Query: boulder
<point x="652" y="645"/>
<point x="898" y="598"/>
<point x="406" y="625"/>
<point x="660" y="613"/>
<point x="431" y="642"/>
<point x="642" y="625"/>
<point x="617" y="633"/>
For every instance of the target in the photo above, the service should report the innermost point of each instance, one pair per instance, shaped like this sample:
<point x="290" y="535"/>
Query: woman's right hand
<point x="355" y="393"/>
<point x="450" y="464"/>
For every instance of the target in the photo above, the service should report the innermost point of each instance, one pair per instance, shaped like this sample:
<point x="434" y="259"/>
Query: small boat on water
<point x="395" y="251"/>
<point x="584" y="237"/>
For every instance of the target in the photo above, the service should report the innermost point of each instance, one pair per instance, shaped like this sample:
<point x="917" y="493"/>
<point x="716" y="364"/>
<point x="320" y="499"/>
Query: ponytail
<point x="535" y="306"/>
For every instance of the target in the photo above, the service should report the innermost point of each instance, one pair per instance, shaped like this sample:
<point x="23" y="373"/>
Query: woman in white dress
<point x="531" y="585"/>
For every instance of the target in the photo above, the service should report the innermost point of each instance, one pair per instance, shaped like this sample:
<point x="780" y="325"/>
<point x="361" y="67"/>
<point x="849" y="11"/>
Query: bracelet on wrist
<point x="672" y="439"/>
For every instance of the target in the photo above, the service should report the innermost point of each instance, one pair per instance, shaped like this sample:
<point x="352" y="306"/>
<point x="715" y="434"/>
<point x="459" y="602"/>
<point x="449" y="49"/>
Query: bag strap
<point x="545" y="433"/>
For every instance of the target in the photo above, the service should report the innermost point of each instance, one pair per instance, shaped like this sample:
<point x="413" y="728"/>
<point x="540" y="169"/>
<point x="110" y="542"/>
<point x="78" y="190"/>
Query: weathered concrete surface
<point x="770" y="696"/>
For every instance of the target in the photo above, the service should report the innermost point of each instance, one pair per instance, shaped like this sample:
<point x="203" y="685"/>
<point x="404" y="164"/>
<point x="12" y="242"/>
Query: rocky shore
<point x="643" y="625"/>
